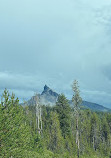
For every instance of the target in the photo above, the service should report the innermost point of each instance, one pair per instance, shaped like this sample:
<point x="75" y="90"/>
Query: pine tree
<point x="64" y="111"/>
<point x="94" y="131"/>
<point x="15" y="135"/>
<point x="55" y="138"/>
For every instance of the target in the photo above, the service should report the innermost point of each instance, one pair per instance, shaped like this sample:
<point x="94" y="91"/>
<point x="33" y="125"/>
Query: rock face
<point x="48" y="91"/>
<point x="49" y="97"/>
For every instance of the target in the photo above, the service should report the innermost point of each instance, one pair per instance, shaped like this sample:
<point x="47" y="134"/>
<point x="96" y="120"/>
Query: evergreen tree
<point x="89" y="134"/>
<point x="64" y="111"/>
<point x="95" y="131"/>
<point x="55" y="137"/>
<point x="15" y="135"/>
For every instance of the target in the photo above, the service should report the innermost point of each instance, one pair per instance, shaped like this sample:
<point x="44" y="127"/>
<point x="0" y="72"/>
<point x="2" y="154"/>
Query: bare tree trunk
<point x="77" y="135"/>
<point x="38" y="116"/>
<point x="41" y="118"/>
<point x="93" y="143"/>
<point x="38" y="123"/>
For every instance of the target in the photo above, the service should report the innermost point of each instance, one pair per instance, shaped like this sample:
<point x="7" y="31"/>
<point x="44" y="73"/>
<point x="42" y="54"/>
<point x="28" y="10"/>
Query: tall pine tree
<point x="63" y="109"/>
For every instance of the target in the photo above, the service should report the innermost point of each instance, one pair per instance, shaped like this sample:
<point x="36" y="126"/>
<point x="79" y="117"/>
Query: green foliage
<point x="15" y="134"/>
<point x="56" y="140"/>
<point x="19" y="138"/>
<point x="63" y="109"/>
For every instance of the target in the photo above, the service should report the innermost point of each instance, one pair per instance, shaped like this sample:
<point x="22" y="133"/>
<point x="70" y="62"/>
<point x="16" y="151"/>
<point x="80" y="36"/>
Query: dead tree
<point x="76" y="102"/>
<point x="38" y="113"/>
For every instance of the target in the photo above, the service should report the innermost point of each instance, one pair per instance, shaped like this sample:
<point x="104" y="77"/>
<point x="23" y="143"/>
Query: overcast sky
<point x="54" y="42"/>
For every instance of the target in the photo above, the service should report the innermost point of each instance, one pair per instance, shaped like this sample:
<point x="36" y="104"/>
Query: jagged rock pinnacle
<point x="46" y="88"/>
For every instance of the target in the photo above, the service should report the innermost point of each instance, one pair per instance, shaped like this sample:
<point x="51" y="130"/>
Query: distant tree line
<point x="60" y="131"/>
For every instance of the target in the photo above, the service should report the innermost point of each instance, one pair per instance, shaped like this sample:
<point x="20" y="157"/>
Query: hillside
<point x="49" y="97"/>
<point x="51" y="131"/>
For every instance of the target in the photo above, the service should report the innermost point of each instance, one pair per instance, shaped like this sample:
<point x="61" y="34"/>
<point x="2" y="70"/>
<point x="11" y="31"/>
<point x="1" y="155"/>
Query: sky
<point x="54" y="42"/>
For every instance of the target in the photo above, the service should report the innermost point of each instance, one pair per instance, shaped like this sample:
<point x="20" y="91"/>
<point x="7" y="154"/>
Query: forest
<point x="60" y="131"/>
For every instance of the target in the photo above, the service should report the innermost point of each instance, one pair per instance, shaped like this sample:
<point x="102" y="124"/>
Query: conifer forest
<point x="59" y="131"/>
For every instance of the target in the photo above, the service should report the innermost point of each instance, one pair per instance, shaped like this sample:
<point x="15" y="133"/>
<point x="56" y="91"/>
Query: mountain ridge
<point x="49" y="97"/>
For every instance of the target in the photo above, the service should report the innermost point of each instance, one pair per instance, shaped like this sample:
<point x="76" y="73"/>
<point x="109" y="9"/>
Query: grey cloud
<point x="96" y="97"/>
<point x="54" y="42"/>
<point x="106" y="70"/>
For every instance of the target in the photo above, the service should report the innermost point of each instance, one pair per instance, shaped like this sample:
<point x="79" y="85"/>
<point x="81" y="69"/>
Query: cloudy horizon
<point x="54" y="42"/>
